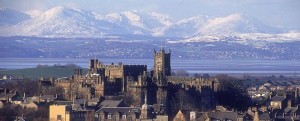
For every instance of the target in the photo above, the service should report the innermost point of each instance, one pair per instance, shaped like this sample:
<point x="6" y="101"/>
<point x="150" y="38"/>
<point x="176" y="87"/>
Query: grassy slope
<point x="37" y="73"/>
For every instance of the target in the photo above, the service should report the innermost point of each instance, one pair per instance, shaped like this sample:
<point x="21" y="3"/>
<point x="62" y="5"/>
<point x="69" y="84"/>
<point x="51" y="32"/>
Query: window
<point x="58" y="117"/>
<point x="192" y="115"/>
<point x="123" y="116"/>
<point x="109" y="116"/>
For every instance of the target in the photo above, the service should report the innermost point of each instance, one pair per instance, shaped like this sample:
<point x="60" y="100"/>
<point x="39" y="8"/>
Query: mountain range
<point x="71" y="23"/>
<point x="76" y="33"/>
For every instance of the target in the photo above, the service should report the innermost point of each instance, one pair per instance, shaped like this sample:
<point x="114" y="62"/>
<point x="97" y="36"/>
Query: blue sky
<point x="285" y="13"/>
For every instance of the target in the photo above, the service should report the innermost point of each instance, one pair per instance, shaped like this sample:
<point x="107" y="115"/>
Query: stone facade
<point x="134" y="81"/>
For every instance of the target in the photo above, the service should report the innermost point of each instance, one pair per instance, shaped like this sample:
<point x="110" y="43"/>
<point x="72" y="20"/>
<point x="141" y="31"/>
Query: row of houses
<point x="8" y="97"/>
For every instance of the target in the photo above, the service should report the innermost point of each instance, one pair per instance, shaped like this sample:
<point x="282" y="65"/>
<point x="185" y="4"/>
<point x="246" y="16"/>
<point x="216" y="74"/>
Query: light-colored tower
<point x="162" y="64"/>
<point x="162" y="68"/>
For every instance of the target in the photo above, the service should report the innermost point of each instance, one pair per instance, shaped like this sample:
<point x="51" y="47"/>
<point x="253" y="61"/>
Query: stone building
<point x="101" y="80"/>
<point x="136" y="82"/>
<point x="67" y="112"/>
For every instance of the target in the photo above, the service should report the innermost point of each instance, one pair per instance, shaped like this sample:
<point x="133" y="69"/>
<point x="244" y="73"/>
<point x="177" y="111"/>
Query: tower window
<point x="58" y="117"/>
<point x="109" y="116"/>
<point x="123" y="116"/>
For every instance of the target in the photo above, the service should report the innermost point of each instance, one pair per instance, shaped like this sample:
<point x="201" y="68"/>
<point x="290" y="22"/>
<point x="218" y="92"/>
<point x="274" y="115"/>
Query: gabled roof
<point x="77" y="107"/>
<point x="182" y="113"/>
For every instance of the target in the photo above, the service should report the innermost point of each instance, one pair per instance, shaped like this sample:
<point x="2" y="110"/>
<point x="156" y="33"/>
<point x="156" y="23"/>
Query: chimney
<point x="255" y="118"/>
<point x="24" y="96"/>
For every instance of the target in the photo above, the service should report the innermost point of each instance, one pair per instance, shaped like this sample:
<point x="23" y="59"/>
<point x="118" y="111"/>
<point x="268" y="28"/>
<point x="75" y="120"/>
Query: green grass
<point x="46" y="72"/>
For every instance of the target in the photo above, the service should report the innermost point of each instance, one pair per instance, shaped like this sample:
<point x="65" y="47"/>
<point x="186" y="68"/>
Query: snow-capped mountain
<point x="70" y="23"/>
<point x="234" y="24"/>
<point x="9" y="17"/>
<point x="33" y="13"/>
<point x="63" y="22"/>
<point x="140" y="22"/>
<point x="187" y="27"/>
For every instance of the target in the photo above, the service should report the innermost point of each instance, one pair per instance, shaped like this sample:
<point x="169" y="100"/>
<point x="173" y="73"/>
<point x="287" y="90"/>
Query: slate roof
<point x="17" y="99"/>
<point x="120" y="110"/>
<point x="48" y="97"/>
<point x="110" y="103"/>
<point x="79" y="101"/>
<point x="9" y="95"/>
<point x="63" y="102"/>
<point x="277" y="98"/>
<point x="264" y="116"/>
<point x="77" y="107"/>
<point x="224" y="115"/>
<point x="290" y="109"/>
<point x="94" y="100"/>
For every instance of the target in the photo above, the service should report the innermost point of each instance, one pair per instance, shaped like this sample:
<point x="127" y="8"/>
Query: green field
<point x="46" y="72"/>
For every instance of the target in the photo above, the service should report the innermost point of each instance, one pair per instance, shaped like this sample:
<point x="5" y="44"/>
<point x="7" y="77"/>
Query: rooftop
<point x="277" y="98"/>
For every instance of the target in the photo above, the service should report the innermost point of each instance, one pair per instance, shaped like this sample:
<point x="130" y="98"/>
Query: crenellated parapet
<point x="194" y="82"/>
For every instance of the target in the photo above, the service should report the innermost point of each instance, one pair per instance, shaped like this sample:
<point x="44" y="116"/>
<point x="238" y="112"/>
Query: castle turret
<point x="93" y="63"/>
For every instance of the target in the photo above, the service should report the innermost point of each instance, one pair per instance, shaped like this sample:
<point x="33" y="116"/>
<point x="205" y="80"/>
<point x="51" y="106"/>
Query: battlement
<point x="194" y="82"/>
<point x="62" y="80"/>
<point x="135" y="66"/>
<point x="162" y="51"/>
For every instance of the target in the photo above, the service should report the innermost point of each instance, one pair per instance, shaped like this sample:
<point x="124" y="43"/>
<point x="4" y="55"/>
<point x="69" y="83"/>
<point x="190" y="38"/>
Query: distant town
<point x="120" y="92"/>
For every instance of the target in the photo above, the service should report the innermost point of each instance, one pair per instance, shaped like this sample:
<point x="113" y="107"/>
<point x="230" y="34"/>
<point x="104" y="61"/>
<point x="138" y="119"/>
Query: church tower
<point x="162" y="64"/>
<point x="162" y="68"/>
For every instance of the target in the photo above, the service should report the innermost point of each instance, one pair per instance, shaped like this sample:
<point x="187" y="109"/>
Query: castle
<point x="135" y="82"/>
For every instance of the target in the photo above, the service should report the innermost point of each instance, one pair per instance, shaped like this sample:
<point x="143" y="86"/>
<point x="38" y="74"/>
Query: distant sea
<point x="234" y="66"/>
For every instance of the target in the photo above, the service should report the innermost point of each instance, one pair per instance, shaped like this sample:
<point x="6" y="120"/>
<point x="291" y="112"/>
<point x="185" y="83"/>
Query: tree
<point x="7" y="113"/>
<point x="206" y="76"/>
<point x="232" y="94"/>
<point x="181" y="73"/>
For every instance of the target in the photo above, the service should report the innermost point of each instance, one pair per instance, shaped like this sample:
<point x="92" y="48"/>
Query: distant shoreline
<point x="235" y="67"/>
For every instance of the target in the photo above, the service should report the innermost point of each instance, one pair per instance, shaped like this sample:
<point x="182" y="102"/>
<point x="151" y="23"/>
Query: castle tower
<point x="93" y="66"/>
<point x="93" y="63"/>
<point x="162" y="68"/>
<point x="162" y="64"/>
